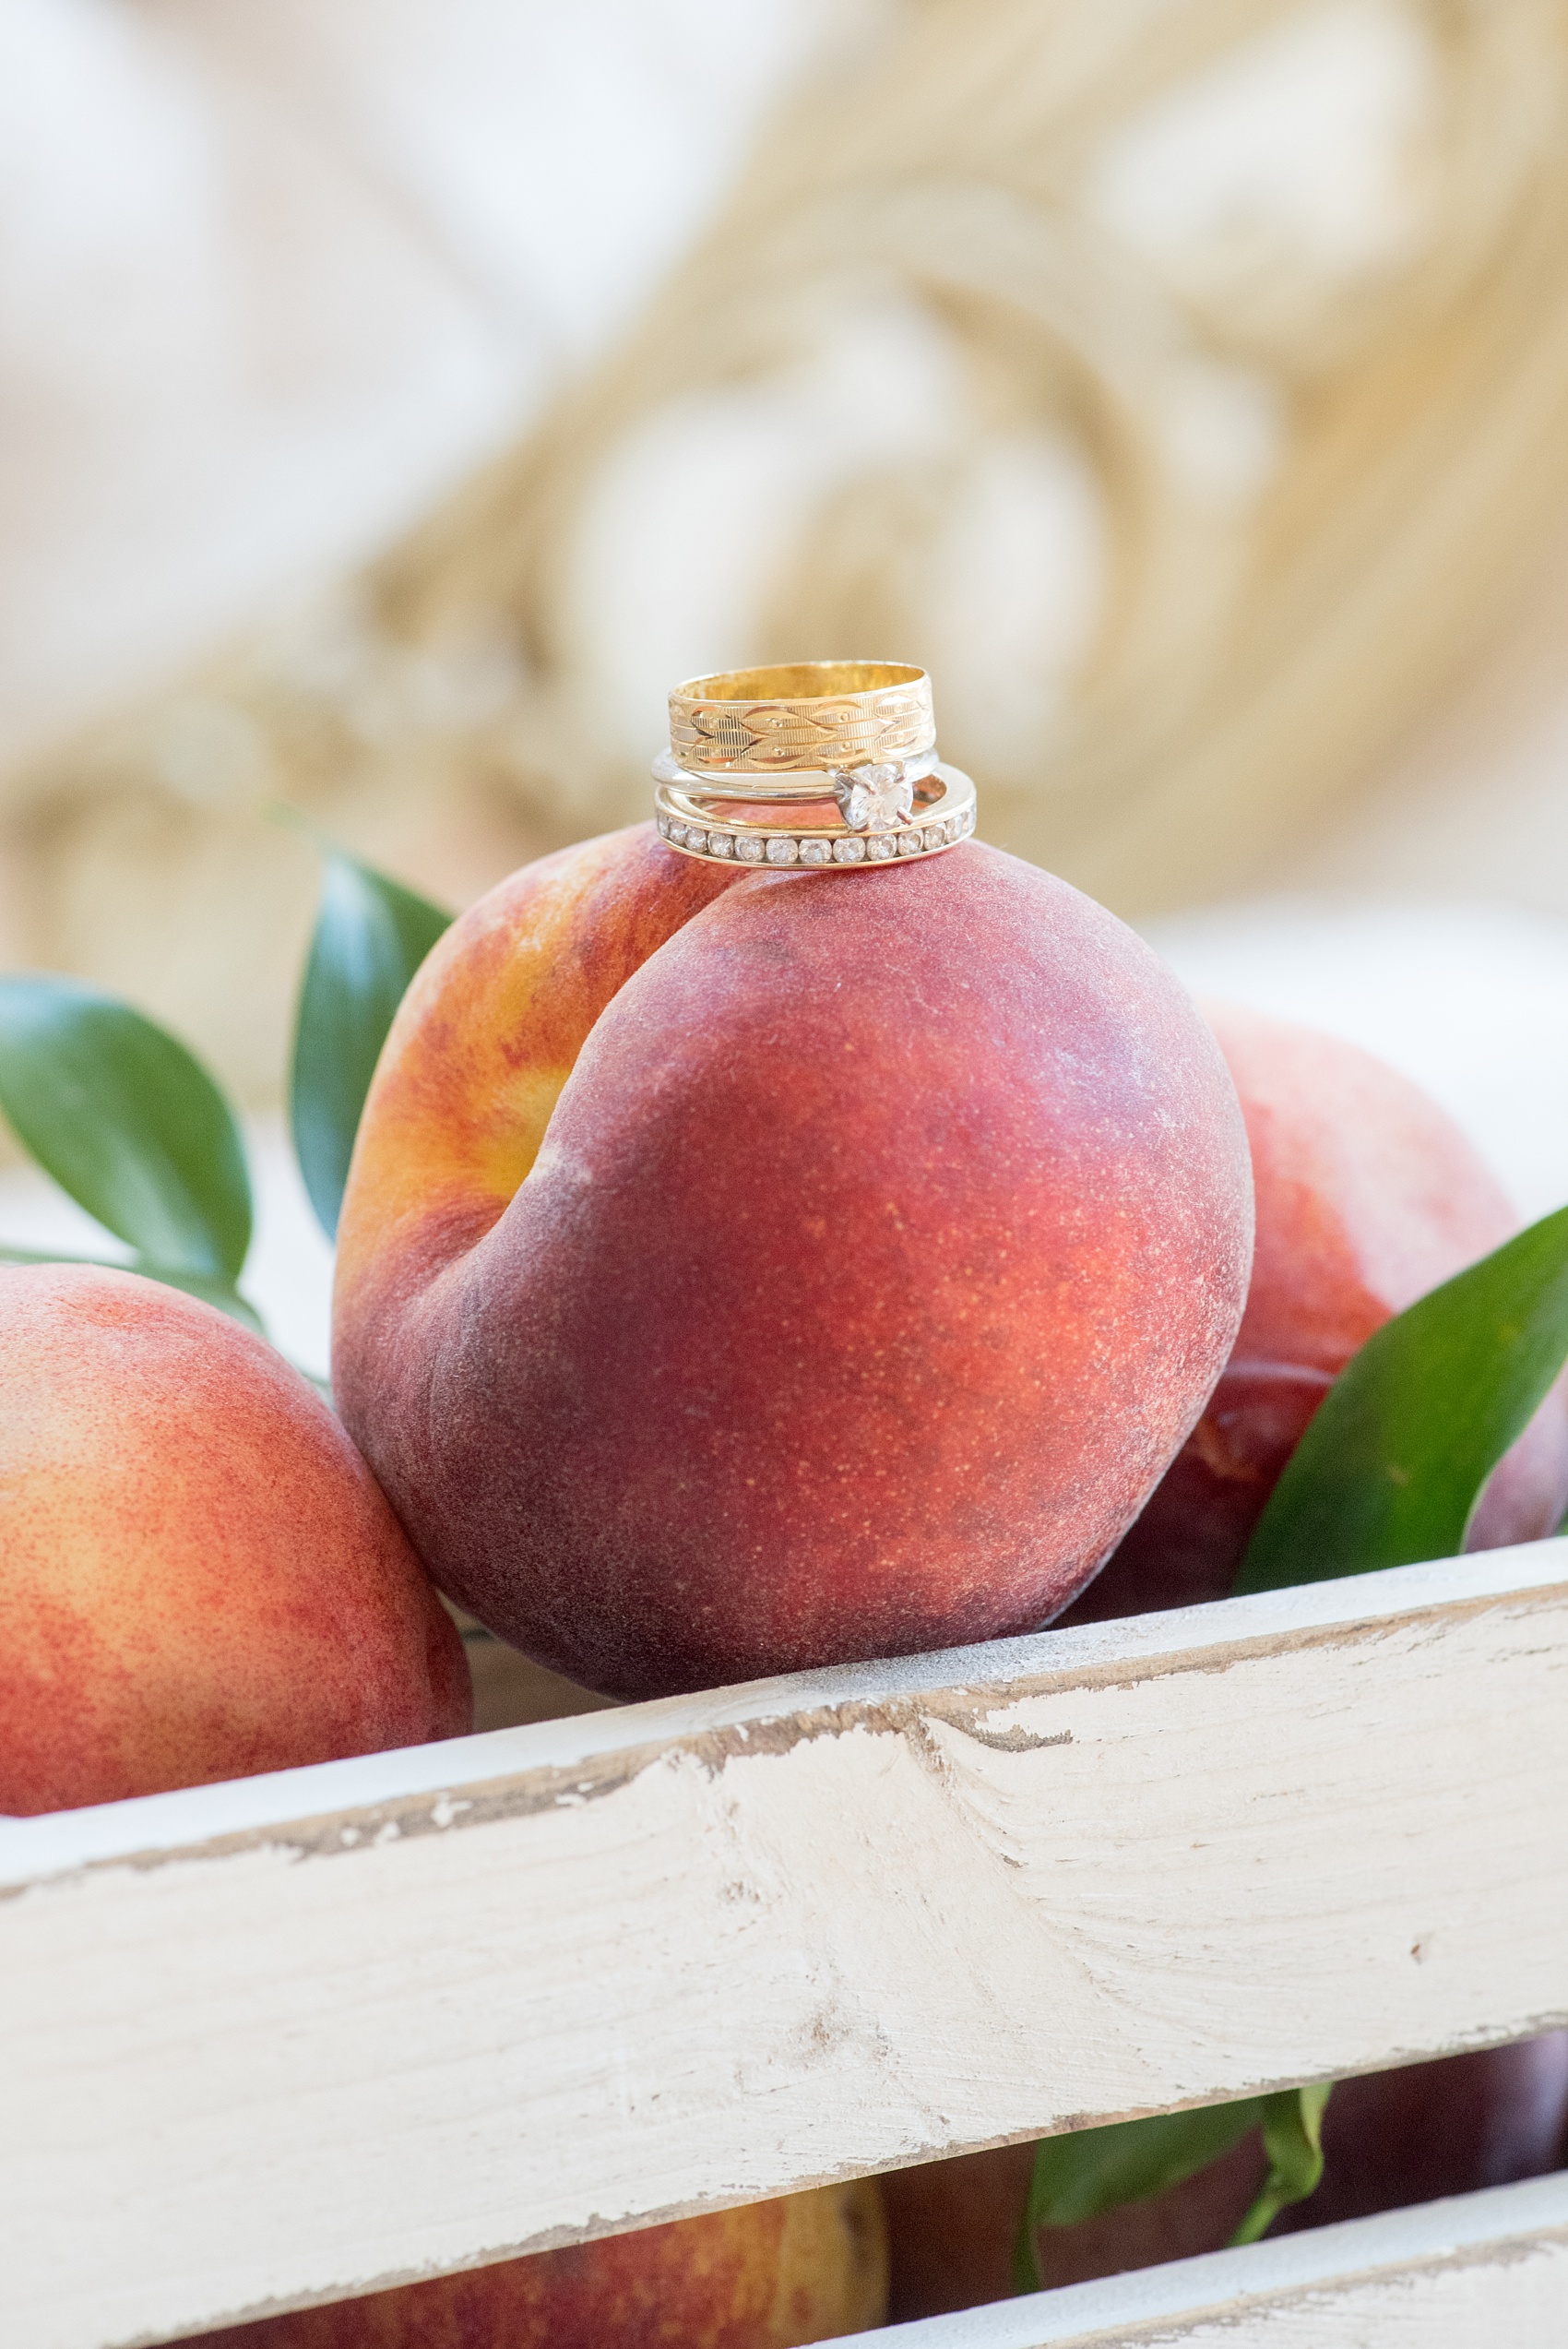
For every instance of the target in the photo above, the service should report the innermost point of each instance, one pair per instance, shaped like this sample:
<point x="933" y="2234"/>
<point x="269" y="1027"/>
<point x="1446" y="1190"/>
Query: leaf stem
<point x="1292" y="2138"/>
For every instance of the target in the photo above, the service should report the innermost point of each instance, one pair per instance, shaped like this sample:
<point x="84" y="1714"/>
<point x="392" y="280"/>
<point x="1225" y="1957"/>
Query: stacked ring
<point x="812" y="783"/>
<point x="848" y="747"/>
<point x="940" y="816"/>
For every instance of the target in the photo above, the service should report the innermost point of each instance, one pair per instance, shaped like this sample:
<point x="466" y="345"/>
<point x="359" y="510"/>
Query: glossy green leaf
<point x="1292" y="2138"/>
<point x="1091" y="2170"/>
<point x="371" y="936"/>
<point x="1395" y="1459"/>
<point x="218" y="1292"/>
<point x="1094" y="2170"/>
<point x="126" y="1121"/>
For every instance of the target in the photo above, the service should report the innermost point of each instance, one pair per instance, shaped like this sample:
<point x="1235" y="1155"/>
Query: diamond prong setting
<point x="875" y="798"/>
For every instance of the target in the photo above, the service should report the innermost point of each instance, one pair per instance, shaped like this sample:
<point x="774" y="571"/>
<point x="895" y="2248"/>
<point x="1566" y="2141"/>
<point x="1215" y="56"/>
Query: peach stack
<point x="201" y="1580"/>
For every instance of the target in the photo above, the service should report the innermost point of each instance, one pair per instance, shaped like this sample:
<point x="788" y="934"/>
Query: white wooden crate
<point x="295" y="2037"/>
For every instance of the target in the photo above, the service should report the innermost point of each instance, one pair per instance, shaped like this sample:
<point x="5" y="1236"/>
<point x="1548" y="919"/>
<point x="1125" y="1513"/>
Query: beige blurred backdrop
<point x="396" y="397"/>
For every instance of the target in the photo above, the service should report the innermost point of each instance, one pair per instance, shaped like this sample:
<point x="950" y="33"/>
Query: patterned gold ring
<point x="805" y="717"/>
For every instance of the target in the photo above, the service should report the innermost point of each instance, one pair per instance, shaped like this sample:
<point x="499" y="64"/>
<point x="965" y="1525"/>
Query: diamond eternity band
<point x="937" y="813"/>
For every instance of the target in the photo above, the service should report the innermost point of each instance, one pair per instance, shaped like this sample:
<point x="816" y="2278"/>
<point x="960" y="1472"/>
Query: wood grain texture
<point x="289" y="2039"/>
<point x="1490" y="2267"/>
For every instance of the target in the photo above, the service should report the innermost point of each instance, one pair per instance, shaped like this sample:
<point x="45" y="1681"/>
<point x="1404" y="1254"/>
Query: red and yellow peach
<point x="744" y="1272"/>
<point x="198" y="1577"/>
<point x="1367" y="1196"/>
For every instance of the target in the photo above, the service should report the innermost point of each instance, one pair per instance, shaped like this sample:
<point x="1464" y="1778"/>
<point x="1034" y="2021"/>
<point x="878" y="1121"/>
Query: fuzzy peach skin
<point x="805" y="2268"/>
<point x="198" y="1577"/>
<point x="1368" y="1196"/>
<point x="746" y="1272"/>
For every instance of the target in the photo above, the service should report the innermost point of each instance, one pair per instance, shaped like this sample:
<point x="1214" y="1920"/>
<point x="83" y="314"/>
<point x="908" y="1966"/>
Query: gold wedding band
<point x="812" y="716"/>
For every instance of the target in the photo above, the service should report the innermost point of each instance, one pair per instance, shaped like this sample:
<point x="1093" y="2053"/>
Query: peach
<point x="806" y="2268"/>
<point x="744" y="1273"/>
<point x="1390" y="2139"/>
<point x="198" y="1577"/>
<point x="1368" y="1196"/>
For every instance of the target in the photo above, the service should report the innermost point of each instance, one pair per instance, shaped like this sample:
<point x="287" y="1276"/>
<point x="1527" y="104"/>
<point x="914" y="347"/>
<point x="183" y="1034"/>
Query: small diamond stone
<point x="934" y="835"/>
<point x="882" y="846"/>
<point x="817" y="852"/>
<point x="748" y="850"/>
<point x="665" y="826"/>
<point x="909" y="843"/>
<point x="721" y="844"/>
<point x="849" y="852"/>
<point x="781" y="851"/>
<point x="695" y="836"/>
<point x="872" y="799"/>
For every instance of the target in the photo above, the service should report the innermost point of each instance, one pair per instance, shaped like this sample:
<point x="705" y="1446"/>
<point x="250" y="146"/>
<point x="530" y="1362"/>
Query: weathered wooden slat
<point x="1483" y="2268"/>
<point x="291" y="2039"/>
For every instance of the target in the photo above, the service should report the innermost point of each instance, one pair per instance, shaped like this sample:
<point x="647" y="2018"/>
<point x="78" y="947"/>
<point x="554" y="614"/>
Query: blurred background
<point x="397" y="397"/>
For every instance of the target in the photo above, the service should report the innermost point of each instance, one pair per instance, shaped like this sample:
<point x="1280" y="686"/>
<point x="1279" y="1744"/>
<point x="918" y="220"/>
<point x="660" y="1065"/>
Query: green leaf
<point x="1394" y="1461"/>
<point x="1092" y="2170"/>
<point x="126" y="1121"/>
<point x="218" y="1292"/>
<point x="371" y="936"/>
<point x="1292" y="2138"/>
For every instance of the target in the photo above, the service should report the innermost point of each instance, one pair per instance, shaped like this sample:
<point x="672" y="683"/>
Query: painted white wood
<point x="1483" y="2268"/>
<point x="292" y="2038"/>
